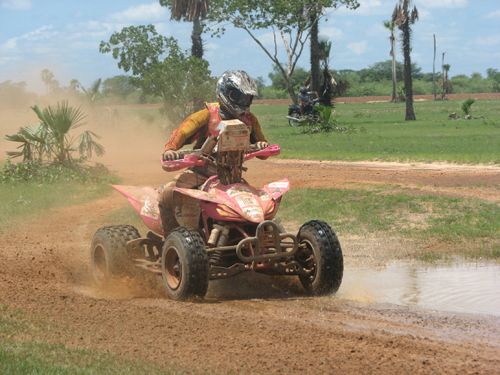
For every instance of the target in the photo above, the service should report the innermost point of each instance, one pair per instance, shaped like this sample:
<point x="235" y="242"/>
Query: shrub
<point x="39" y="172"/>
<point x="467" y="106"/>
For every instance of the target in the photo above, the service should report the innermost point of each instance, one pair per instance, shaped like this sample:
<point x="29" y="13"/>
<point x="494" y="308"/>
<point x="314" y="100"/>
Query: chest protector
<point x="215" y="120"/>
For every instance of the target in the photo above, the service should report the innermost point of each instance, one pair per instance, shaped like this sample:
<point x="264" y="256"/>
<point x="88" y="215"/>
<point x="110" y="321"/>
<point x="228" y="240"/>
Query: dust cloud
<point x="132" y="135"/>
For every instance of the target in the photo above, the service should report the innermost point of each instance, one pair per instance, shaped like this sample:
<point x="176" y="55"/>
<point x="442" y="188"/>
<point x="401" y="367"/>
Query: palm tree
<point x="192" y="11"/>
<point x="314" y="13"/>
<point x="47" y="78"/>
<point x="92" y="93"/>
<point x="326" y="92"/>
<point x="391" y="26"/>
<point x="51" y="140"/>
<point x="403" y="16"/>
<point x="34" y="143"/>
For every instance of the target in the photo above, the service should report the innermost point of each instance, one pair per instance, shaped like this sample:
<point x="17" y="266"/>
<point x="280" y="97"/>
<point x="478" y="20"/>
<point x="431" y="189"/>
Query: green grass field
<point x="466" y="227"/>
<point x="382" y="134"/>
<point x="18" y="200"/>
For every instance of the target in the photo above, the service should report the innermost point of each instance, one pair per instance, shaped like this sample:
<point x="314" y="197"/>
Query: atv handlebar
<point x="195" y="158"/>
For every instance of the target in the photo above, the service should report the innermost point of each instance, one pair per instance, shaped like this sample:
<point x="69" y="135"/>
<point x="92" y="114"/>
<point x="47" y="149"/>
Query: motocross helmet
<point x="235" y="91"/>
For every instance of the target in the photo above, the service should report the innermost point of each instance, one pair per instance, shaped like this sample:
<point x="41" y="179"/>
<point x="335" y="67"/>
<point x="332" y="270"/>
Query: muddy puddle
<point x="464" y="288"/>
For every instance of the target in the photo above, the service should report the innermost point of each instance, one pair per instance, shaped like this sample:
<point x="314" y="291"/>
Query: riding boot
<point x="168" y="221"/>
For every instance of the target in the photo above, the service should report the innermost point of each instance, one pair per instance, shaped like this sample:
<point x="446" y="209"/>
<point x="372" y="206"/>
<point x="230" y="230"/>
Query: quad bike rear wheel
<point x="109" y="256"/>
<point x="184" y="265"/>
<point x="320" y="255"/>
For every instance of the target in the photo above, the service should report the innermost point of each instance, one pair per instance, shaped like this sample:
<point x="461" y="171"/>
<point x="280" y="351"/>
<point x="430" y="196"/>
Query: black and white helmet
<point x="235" y="91"/>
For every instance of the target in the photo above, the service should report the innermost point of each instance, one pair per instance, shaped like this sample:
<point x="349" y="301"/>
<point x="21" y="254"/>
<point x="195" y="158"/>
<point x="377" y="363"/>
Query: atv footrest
<point x="154" y="267"/>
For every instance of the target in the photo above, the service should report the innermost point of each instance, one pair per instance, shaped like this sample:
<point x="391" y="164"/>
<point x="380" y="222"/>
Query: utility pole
<point x="443" y="96"/>
<point x="434" y="70"/>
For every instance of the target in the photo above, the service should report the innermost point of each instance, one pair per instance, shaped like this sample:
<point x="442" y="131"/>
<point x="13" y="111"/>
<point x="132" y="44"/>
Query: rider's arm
<point x="187" y="129"/>
<point x="256" y="129"/>
<point x="257" y="133"/>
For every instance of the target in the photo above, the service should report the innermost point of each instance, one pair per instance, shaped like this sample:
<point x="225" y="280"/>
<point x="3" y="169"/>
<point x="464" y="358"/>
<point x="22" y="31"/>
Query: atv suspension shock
<point x="215" y="258"/>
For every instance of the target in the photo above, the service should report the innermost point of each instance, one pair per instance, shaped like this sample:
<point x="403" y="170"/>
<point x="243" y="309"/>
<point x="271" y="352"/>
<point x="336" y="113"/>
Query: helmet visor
<point x="239" y="98"/>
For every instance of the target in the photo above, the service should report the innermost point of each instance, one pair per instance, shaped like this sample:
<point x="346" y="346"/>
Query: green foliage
<point x="466" y="106"/>
<point x="494" y="76"/>
<point x="290" y="19"/>
<point x="381" y="136"/>
<point x="260" y="14"/>
<point x="120" y="86"/>
<point x="39" y="172"/>
<point x="160" y="68"/>
<point x="51" y="140"/>
<point x="297" y="79"/>
<point x="382" y="71"/>
<point x="325" y="123"/>
<point x="396" y="212"/>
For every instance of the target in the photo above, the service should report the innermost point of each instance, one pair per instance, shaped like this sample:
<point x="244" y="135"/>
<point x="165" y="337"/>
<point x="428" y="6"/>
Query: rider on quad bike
<point x="209" y="223"/>
<point x="235" y="92"/>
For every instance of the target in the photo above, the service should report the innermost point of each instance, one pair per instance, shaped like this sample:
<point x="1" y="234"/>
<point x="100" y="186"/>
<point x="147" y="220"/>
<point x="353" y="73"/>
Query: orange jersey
<point x="196" y="128"/>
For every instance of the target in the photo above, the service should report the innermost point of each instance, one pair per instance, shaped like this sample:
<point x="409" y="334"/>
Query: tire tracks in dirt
<point x="263" y="326"/>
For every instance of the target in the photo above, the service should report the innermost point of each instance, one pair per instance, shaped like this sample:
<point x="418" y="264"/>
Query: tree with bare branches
<point x="406" y="14"/>
<point x="289" y="22"/>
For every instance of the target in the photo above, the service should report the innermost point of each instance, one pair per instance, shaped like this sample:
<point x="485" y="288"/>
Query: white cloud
<point x="16" y="4"/>
<point x="495" y="14"/>
<point x="330" y="32"/>
<point x="42" y="33"/>
<point x="358" y="48"/>
<point x="9" y="44"/>
<point x="490" y="40"/>
<point x="144" y="12"/>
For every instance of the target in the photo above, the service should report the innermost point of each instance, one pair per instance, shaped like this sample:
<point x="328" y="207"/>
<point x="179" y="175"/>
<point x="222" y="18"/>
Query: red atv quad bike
<point x="237" y="231"/>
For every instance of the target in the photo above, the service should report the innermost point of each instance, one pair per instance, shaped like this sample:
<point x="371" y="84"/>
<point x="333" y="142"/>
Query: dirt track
<point x="261" y="326"/>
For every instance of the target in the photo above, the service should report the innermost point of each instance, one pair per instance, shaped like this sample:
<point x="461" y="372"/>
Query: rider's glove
<point x="170" y="155"/>
<point x="261" y="145"/>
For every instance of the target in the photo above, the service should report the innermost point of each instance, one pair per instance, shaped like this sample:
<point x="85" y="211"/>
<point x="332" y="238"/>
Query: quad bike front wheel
<point x="184" y="265"/>
<point x="321" y="257"/>
<point x="109" y="256"/>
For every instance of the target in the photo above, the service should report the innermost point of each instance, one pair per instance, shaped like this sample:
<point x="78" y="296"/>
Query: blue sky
<point x="64" y="36"/>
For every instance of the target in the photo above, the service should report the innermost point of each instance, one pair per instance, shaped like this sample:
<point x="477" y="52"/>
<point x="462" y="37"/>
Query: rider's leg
<point x="177" y="209"/>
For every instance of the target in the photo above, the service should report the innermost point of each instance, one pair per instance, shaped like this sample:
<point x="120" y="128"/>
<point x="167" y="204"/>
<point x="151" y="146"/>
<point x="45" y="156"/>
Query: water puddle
<point x="466" y="288"/>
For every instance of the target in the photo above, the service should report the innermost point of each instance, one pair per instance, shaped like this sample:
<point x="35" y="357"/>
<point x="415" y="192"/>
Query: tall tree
<point x="328" y="84"/>
<point x="446" y="85"/>
<point x="51" y="83"/>
<point x="406" y="14"/>
<point x="391" y="26"/>
<point x="316" y="11"/>
<point x="193" y="11"/>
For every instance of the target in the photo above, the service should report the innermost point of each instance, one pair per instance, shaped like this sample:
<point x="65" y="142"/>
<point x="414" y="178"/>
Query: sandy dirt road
<point x="250" y="324"/>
